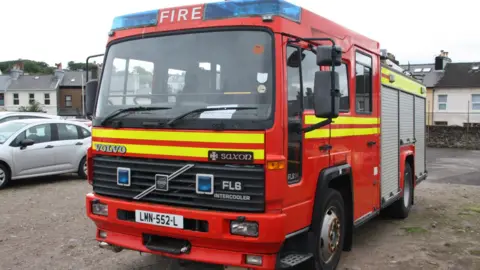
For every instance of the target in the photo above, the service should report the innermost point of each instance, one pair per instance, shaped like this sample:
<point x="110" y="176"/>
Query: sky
<point x="413" y="30"/>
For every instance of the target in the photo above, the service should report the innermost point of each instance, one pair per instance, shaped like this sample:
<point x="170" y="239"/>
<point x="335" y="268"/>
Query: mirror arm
<point x="317" y="125"/>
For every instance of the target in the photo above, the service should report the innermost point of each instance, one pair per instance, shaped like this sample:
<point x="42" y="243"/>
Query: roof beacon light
<point x="248" y="8"/>
<point x="140" y="19"/>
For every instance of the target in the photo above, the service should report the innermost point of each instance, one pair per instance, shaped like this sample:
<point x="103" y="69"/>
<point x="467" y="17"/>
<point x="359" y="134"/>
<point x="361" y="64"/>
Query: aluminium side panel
<point x="420" y="144"/>
<point x="389" y="142"/>
<point x="406" y="118"/>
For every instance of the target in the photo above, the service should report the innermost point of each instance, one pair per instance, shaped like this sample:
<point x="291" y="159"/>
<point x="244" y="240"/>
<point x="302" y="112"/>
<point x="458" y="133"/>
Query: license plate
<point x="159" y="219"/>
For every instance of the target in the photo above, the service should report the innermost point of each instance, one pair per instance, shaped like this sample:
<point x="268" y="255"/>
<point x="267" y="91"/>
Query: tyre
<point x="82" y="168"/>
<point x="4" y="176"/>
<point x="330" y="233"/>
<point x="401" y="208"/>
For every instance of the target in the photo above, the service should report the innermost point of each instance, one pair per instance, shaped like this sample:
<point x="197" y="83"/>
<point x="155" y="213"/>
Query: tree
<point x="75" y="66"/>
<point x="29" y="66"/>
<point x="33" y="107"/>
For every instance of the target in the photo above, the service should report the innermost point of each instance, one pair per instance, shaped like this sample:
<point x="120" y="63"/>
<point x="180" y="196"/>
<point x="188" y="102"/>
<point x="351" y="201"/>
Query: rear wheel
<point x="401" y="208"/>
<point x="4" y="176"/>
<point x="82" y="168"/>
<point x="330" y="232"/>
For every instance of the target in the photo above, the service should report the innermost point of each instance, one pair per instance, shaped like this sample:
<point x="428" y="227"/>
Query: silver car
<point x="41" y="147"/>
<point x="9" y="116"/>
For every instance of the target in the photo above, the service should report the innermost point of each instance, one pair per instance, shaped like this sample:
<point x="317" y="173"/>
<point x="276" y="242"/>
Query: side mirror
<point x="326" y="57"/>
<point x="90" y="96"/>
<point x="326" y="97"/>
<point x="26" y="142"/>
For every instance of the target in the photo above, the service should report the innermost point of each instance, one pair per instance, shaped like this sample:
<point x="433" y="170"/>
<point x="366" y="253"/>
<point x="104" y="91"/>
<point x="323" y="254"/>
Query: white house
<point x="24" y="89"/>
<point x="457" y="95"/>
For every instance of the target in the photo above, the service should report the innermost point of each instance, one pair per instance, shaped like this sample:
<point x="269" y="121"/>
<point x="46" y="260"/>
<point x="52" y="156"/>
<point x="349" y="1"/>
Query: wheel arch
<point x="339" y="178"/>
<point x="408" y="157"/>
<point x="9" y="168"/>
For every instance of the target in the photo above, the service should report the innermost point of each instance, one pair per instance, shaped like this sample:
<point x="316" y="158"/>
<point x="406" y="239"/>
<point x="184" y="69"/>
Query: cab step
<point x="294" y="260"/>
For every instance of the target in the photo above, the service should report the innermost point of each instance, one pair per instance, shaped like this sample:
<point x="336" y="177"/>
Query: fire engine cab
<point x="252" y="134"/>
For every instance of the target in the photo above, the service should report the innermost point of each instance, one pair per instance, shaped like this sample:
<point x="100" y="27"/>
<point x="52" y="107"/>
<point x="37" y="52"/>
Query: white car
<point x="41" y="147"/>
<point x="9" y="116"/>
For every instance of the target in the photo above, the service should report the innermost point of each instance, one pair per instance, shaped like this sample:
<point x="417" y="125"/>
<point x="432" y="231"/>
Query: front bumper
<point x="216" y="246"/>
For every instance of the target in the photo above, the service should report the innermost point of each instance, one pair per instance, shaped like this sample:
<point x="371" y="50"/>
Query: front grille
<point x="182" y="188"/>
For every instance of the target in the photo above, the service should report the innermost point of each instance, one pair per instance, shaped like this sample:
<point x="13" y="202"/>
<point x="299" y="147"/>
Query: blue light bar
<point x="140" y="19"/>
<point x="248" y="8"/>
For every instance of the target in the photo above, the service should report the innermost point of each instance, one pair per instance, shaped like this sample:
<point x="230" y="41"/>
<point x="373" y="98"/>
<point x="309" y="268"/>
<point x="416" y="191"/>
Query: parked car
<point x="87" y="122"/>
<point x="9" y="116"/>
<point x="41" y="147"/>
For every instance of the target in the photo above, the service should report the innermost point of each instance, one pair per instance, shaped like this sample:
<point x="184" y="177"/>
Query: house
<point x="25" y="89"/>
<point x="429" y="74"/>
<point x="70" y="93"/>
<point x="4" y="83"/>
<point x="457" y="95"/>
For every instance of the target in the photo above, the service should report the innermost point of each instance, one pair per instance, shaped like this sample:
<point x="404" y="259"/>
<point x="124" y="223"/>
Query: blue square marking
<point x="205" y="184"/>
<point x="123" y="177"/>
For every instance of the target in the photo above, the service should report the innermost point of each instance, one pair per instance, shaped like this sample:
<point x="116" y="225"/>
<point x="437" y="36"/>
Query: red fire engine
<point x="253" y="134"/>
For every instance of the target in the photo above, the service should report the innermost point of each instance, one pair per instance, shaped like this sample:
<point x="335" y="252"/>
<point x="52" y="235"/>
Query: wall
<point x="459" y="106"/>
<point x="24" y="98"/>
<point x="453" y="137"/>
<point x="429" y="106"/>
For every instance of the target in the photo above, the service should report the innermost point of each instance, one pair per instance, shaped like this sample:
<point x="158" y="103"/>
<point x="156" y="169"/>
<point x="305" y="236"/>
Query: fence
<point x="453" y="130"/>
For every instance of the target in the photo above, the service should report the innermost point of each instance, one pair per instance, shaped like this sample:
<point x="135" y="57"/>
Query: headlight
<point x="245" y="228"/>
<point x="99" y="208"/>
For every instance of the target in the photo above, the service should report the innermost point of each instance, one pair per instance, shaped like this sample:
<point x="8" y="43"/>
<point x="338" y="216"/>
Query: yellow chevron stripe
<point x="178" y="151"/>
<point x="341" y="132"/>
<point x="219" y="137"/>
<point x="403" y="83"/>
<point x="344" y="120"/>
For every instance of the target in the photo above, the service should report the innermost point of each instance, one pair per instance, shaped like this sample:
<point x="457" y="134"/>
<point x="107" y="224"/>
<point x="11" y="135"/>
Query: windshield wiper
<point x="176" y="119"/>
<point x="131" y="109"/>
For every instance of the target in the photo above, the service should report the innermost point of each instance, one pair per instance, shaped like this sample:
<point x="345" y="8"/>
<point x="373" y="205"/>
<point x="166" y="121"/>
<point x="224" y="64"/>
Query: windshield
<point x="190" y="71"/>
<point x="7" y="129"/>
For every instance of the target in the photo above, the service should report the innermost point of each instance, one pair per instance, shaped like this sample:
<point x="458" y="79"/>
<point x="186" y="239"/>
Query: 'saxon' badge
<point x="230" y="156"/>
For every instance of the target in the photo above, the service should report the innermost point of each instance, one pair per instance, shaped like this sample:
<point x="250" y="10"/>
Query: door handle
<point x="79" y="143"/>
<point x="371" y="143"/>
<point x="49" y="146"/>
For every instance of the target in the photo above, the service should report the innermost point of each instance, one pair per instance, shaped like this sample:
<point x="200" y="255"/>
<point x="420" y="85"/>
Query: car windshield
<point x="190" y="71"/>
<point x="7" y="129"/>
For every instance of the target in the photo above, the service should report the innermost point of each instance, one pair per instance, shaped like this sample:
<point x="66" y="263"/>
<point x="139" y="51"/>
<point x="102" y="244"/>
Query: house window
<point x="46" y="98"/>
<point x="476" y="102"/>
<point x="442" y="102"/>
<point x="31" y="98"/>
<point x="68" y="101"/>
<point x="16" y="100"/>
<point x="363" y="91"/>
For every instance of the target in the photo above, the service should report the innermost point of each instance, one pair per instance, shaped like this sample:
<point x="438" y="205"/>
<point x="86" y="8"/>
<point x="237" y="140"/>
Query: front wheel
<point x="330" y="232"/>
<point x="4" y="176"/>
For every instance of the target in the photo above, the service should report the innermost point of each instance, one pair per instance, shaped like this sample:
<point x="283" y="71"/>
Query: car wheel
<point x="330" y="233"/>
<point x="82" y="168"/>
<point x="4" y="176"/>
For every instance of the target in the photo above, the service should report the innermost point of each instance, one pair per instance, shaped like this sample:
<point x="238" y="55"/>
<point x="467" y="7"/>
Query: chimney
<point x="59" y="72"/>
<point x="442" y="60"/>
<point x="16" y="70"/>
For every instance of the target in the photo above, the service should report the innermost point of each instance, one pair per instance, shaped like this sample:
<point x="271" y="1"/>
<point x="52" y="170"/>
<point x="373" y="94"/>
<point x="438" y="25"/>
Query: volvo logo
<point x="161" y="181"/>
<point x="121" y="149"/>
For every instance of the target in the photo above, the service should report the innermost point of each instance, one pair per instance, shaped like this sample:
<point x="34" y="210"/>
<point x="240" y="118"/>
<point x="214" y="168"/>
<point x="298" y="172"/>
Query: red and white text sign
<point x="179" y="15"/>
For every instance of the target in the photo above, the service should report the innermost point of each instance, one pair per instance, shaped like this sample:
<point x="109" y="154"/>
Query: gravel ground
<point x="43" y="226"/>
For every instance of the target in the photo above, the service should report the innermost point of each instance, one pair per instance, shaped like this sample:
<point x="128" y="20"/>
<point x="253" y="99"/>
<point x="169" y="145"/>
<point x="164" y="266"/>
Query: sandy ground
<point x="43" y="226"/>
